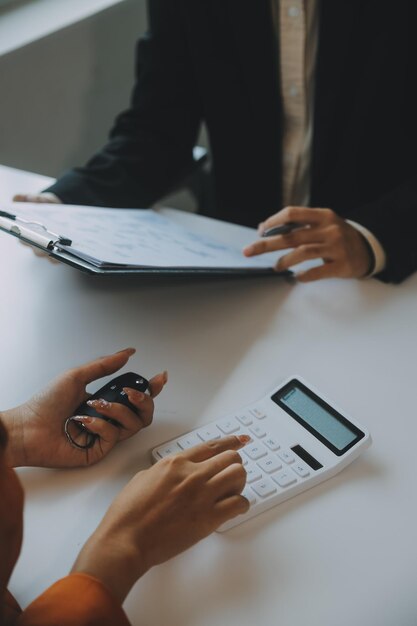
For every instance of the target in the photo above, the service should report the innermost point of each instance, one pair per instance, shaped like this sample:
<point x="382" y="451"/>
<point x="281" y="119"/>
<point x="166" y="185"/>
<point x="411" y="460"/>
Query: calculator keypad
<point x="209" y="433"/>
<point x="270" y="464"/>
<point x="189" y="441"/>
<point x="252" y="473"/>
<point x="285" y="478"/>
<point x="249" y="494"/>
<point x="272" y="444"/>
<point x="228" y="426"/>
<point x="270" y="467"/>
<point x="286" y="456"/>
<point x="264" y="487"/>
<point x="255" y="451"/>
<point x="168" y="449"/>
<point x="257" y="431"/>
<point x="301" y="470"/>
<point x="245" y="419"/>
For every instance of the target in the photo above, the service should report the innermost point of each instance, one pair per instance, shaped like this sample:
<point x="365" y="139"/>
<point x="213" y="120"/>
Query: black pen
<point x="284" y="229"/>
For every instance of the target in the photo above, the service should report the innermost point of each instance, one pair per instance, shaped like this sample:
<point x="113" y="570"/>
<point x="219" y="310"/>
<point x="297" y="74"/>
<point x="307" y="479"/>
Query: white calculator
<point x="298" y="440"/>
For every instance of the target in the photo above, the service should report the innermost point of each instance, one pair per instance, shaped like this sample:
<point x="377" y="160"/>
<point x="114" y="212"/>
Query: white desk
<point x="344" y="553"/>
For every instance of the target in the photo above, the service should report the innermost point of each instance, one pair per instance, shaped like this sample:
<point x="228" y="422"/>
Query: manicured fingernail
<point x="102" y="404"/>
<point x="244" y="439"/>
<point x="129" y="350"/>
<point x="138" y="396"/>
<point x="165" y="376"/>
<point x="248" y="250"/>
<point x="85" y="419"/>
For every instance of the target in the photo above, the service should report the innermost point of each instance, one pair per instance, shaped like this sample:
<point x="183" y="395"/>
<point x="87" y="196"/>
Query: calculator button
<point x="253" y="473"/>
<point x="167" y="450"/>
<point x="272" y="443"/>
<point x="209" y="433"/>
<point x="301" y="470"/>
<point x="270" y="464"/>
<point x="189" y="441"/>
<point x="285" y="478"/>
<point x="255" y="451"/>
<point x="264" y="487"/>
<point x="258" y="431"/>
<point x="249" y="495"/>
<point x="228" y="426"/>
<point x="245" y="419"/>
<point x="286" y="456"/>
<point x="258" y="413"/>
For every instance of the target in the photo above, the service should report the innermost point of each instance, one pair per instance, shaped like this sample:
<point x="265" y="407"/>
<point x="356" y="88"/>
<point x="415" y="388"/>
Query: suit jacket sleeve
<point x="392" y="218"/>
<point x="77" y="600"/>
<point x="150" y="146"/>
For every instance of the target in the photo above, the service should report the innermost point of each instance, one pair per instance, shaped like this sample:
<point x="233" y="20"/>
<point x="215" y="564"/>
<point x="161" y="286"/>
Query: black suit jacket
<point x="217" y="61"/>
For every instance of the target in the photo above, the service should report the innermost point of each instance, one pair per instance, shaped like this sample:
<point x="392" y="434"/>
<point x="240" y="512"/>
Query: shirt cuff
<point x="380" y="259"/>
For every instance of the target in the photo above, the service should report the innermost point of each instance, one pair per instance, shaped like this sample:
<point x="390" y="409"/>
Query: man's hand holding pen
<point x="314" y="234"/>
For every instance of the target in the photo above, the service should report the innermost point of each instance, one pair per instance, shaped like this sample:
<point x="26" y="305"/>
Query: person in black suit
<point x="220" y="61"/>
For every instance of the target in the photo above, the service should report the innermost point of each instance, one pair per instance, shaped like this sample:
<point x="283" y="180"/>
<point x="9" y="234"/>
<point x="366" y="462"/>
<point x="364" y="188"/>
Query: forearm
<point x="112" y="561"/>
<point x="15" y="451"/>
<point x="128" y="177"/>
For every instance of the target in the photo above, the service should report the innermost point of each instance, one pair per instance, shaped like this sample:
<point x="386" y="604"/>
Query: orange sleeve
<point x="77" y="600"/>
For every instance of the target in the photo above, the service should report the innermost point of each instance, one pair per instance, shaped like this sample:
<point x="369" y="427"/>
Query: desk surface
<point x="342" y="553"/>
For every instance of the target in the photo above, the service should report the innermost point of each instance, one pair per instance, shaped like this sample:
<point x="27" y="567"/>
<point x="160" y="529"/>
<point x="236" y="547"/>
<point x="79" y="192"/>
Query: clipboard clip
<point x="48" y="242"/>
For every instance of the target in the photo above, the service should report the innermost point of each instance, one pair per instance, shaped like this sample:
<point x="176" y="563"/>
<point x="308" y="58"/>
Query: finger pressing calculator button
<point x="255" y="451"/>
<point x="272" y="443"/>
<point x="286" y="456"/>
<point x="253" y="473"/>
<point x="189" y="441"/>
<point x="264" y="487"/>
<point x="258" y="431"/>
<point x="171" y="448"/>
<point x="245" y="419"/>
<point x="301" y="470"/>
<point x="270" y="464"/>
<point x="209" y="433"/>
<point x="285" y="478"/>
<point x="258" y="413"/>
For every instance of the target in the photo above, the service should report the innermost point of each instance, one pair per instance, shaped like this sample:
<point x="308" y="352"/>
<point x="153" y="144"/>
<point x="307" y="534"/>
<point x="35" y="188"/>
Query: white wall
<point x="59" y="95"/>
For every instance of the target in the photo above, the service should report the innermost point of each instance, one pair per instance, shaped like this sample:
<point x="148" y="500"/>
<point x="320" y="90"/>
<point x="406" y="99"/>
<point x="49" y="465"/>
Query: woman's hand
<point x="36" y="428"/>
<point x="322" y="235"/>
<point x="164" y="510"/>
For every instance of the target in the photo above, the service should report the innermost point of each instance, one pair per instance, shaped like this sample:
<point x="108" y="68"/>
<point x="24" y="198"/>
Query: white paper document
<point x="147" y="238"/>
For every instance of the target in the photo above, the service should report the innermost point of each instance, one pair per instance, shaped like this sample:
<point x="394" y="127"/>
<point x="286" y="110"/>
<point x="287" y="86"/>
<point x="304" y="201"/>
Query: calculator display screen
<point x="318" y="417"/>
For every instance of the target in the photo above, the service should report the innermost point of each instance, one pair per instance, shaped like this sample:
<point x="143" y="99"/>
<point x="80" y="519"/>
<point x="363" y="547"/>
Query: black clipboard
<point x="60" y="247"/>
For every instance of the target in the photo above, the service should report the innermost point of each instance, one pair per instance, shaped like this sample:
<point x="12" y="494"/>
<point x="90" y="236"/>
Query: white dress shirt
<point x="297" y="23"/>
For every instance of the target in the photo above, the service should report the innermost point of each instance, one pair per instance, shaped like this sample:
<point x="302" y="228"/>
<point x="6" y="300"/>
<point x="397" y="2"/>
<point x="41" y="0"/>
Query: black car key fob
<point x="111" y="392"/>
